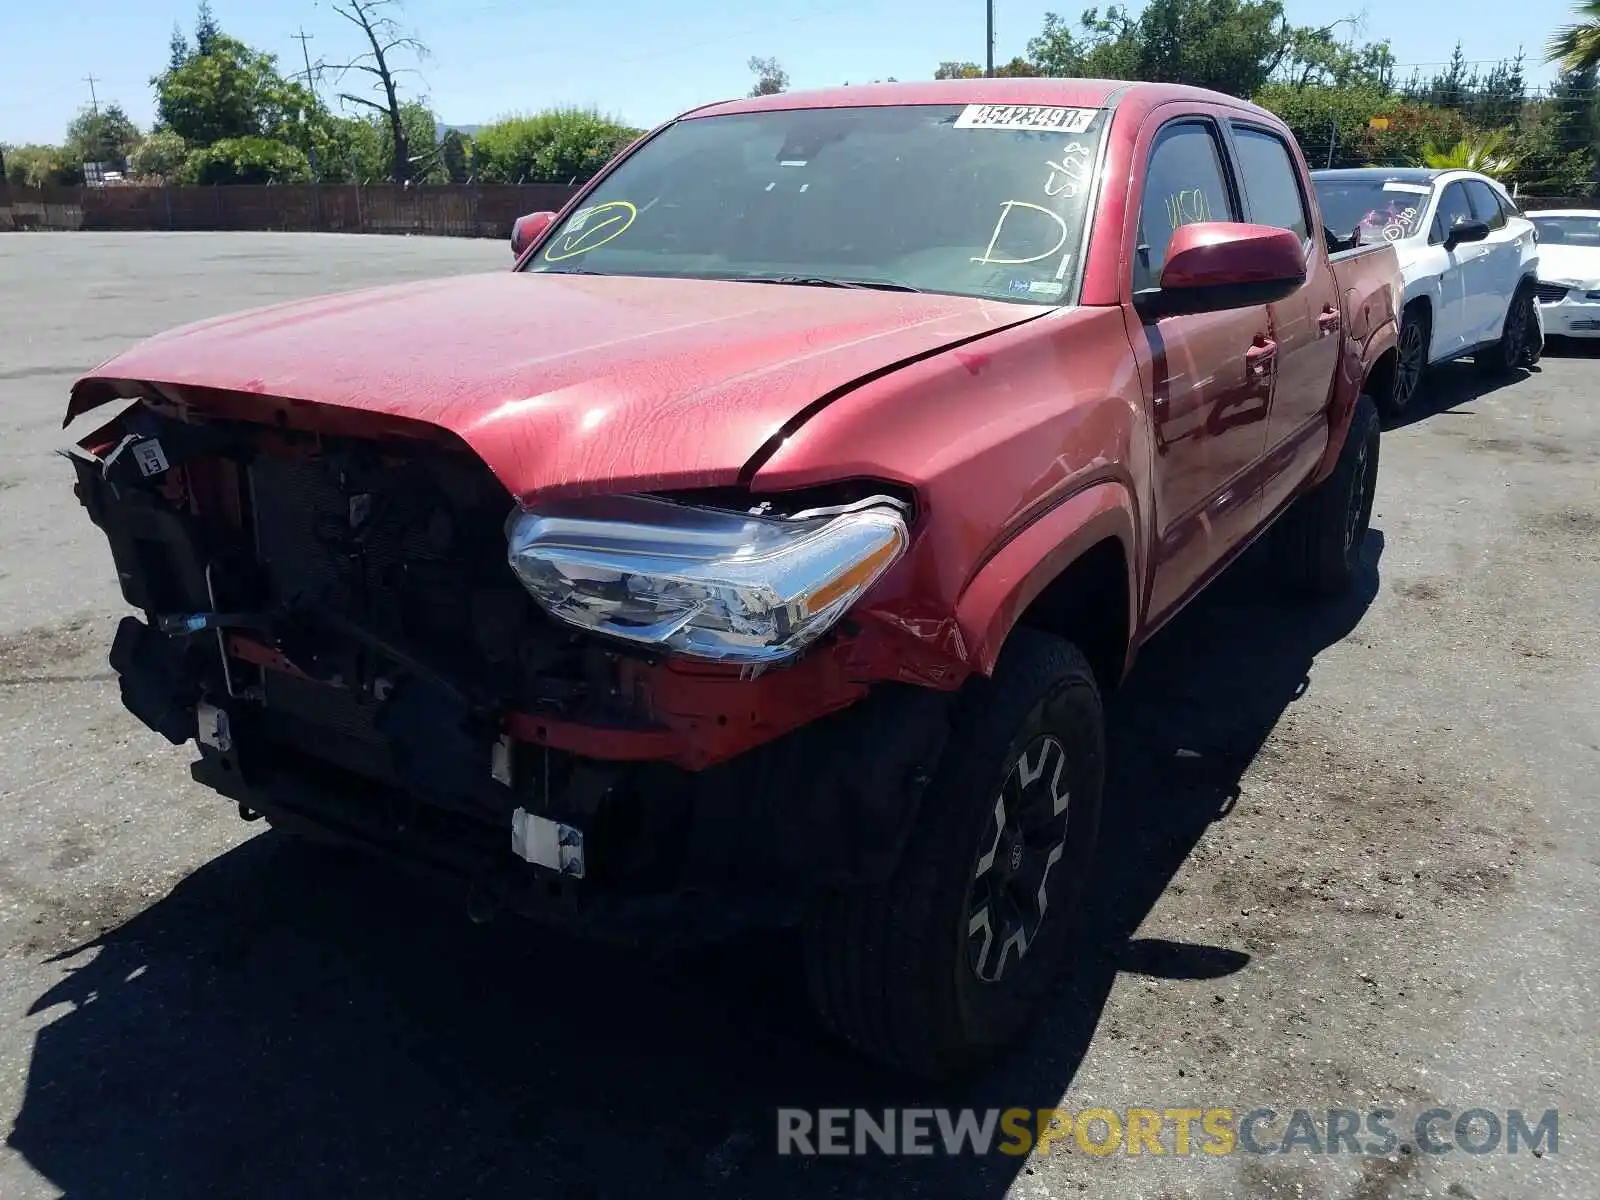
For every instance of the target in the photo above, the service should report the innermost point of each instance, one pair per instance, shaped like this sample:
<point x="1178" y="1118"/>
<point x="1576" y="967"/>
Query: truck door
<point x="1208" y="376"/>
<point x="1307" y="323"/>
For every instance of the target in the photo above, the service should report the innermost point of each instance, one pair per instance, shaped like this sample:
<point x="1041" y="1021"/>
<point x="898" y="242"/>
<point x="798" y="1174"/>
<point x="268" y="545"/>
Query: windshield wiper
<point x="879" y="285"/>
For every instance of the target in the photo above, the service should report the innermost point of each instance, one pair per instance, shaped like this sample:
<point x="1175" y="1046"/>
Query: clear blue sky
<point x="638" y="59"/>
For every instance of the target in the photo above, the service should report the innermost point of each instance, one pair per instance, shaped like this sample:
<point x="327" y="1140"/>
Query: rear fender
<point x="1004" y="587"/>
<point x="1374" y="330"/>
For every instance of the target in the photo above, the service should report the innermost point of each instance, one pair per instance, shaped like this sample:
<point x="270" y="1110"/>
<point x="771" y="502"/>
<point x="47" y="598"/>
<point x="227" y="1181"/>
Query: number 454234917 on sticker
<point x="1042" y="117"/>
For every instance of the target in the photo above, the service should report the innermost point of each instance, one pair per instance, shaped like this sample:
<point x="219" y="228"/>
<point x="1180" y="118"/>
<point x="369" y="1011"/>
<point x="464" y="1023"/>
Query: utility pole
<point x="303" y="37"/>
<point x="988" y="43"/>
<point x="94" y="101"/>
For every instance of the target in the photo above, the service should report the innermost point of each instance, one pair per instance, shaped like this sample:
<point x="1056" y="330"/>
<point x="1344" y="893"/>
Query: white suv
<point x="1468" y="255"/>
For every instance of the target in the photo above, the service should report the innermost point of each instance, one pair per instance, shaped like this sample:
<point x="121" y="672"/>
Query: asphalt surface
<point x="1353" y="862"/>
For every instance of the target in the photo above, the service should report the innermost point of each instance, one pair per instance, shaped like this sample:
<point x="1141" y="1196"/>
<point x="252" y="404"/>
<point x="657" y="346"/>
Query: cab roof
<point x="1070" y="93"/>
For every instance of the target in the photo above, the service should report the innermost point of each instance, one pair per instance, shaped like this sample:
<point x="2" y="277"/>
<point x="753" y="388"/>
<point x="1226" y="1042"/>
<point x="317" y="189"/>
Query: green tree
<point x="1317" y="57"/>
<point x="1229" y="46"/>
<point x="1576" y="48"/>
<point x="1359" y="125"/>
<point x="231" y="91"/>
<point x="454" y="155"/>
<point x="218" y="89"/>
<point x="1549" y="164"/>
<point x="559" y="146"/>
<point x="1233" y="46"/>
<point x="40" y="166"/>
<point x="105" y="136"/>
<point x="246" y="160"/>
<point x="771" y="78"/>
<point x="161" y="155"/>
<point x="1487" y="152"/>
<point x="1017" y="68"/>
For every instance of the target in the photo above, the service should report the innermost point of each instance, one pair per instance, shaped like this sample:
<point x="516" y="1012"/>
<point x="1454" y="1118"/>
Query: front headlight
<point x="703" y="582"/>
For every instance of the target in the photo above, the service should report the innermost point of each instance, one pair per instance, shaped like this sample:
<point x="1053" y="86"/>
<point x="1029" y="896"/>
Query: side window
<point x="1186" y="182"/>
<point x="1453" y="209"/>
<point x="1271" y="180"/>
<point x="1485" y="204"/>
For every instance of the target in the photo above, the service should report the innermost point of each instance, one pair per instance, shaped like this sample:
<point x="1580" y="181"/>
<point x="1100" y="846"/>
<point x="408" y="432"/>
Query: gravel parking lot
<point x="1354" y="862"/>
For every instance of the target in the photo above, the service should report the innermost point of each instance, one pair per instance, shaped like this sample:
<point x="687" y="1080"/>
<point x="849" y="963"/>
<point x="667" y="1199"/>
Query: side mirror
<point x="1215" y="265"/>
<point x="1465" y="231"/>
<point x="527" y="229"/>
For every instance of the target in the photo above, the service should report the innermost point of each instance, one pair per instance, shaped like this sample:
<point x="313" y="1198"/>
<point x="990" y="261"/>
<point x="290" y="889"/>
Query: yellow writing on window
<point x="1187" y="207"/>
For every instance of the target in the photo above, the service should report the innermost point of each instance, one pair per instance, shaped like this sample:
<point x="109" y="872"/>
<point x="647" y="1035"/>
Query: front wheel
<point x="1519" y="343"/>
<point x="1411" y="360"/>
<point x="942" y="967"/>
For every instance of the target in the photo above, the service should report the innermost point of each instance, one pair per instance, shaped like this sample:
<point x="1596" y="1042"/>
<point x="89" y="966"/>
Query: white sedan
<point x="1569" y="270"/>
<point x="1468" y="256"/>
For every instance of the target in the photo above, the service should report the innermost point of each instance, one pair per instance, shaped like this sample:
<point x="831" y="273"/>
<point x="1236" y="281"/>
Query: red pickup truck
<point x="760" y="548"/>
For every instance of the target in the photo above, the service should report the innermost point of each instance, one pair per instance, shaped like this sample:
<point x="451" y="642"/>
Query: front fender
<point x="1001" y="590"/>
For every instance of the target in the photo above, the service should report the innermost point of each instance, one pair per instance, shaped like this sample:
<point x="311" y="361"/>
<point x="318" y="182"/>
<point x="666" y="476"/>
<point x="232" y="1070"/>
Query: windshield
<point x="974" y="200"/>
<point x="1362" y="211"/>
<point x="1567" y="231"/>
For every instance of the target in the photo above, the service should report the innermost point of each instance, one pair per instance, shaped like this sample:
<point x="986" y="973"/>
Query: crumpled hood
<point x="1569" y="264"/>
<point x="565" y="383"/>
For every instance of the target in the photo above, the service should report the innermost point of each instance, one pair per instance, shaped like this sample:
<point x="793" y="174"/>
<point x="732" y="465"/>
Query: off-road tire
<point x="1518" y="336"/>
<point x="1411" y="360"/>
<point x="1318" y="542"/>
<point x="890" y="968"/>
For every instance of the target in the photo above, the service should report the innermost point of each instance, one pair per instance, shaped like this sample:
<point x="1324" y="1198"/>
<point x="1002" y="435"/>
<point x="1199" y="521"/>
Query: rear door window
<point x="1271" y="181"/>
<point x="1187" y="181"/>
<point x="1485" y="204"/>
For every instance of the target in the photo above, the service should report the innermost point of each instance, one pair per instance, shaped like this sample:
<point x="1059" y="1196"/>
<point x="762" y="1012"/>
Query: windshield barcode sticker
<point x="1416" y="189"/>
<point x="1046" y="118"/>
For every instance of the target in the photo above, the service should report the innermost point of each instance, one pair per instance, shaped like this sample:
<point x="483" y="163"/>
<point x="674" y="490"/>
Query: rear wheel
<point x="1318" y="542"/>
<point x="1411" y="359"/>
<point x="1519" y="336"/>
<point x="942" y="967"/>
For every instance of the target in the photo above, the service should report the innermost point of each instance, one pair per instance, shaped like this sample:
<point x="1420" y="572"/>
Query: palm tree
<point x="1485" y="152"/>
<point x="1577" y="48"/>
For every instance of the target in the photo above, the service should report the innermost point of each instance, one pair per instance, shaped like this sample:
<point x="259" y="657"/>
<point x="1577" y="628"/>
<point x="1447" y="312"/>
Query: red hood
<point x="571" y="383"/>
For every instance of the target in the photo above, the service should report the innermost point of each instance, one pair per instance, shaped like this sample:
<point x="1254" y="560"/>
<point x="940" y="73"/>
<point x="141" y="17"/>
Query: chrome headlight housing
<point x="703" y="582"/>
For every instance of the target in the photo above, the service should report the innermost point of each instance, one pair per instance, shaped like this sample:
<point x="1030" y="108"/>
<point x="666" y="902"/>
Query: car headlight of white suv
<point x="707" y="583"/>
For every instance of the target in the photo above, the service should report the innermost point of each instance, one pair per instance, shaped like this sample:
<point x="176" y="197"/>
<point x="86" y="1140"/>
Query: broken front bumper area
<point x="333" y="621"/>
<point x="631" y="851"/>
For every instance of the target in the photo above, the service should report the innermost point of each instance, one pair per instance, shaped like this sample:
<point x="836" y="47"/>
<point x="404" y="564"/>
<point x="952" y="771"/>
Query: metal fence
<point x="451" y="210"/>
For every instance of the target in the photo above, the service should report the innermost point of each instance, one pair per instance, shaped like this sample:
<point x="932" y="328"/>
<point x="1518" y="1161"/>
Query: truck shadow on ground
<point x="293" y="1022"/>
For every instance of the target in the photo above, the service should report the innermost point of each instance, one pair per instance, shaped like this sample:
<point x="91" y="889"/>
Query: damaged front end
<point x="598" y="714"/>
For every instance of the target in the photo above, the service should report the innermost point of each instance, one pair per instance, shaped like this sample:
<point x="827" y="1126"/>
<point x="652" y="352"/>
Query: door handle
<point x="1328" y="321"/>
<point x="1259" y="358"/>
